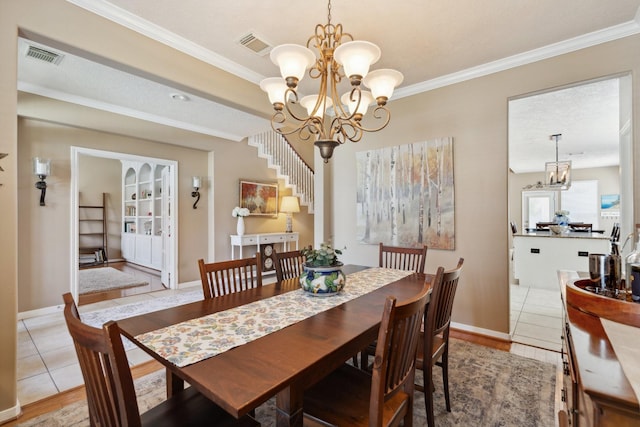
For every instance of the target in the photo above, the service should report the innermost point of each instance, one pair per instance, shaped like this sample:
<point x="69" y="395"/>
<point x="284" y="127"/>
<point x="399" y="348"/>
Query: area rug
<point x="488" y="388"/>
<point x="102" y="279"/>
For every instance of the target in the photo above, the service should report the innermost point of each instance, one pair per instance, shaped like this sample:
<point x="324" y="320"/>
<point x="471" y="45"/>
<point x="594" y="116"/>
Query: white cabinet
<point x="537" y="258"/>
<point x="142" y="215"/>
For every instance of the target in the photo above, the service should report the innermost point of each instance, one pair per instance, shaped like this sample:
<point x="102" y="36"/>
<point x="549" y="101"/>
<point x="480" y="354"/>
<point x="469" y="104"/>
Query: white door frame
<point x="76" y="152"/>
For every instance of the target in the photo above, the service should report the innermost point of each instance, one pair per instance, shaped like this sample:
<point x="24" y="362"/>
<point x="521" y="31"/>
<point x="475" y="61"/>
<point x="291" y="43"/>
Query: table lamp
<point x="289" y="205"/>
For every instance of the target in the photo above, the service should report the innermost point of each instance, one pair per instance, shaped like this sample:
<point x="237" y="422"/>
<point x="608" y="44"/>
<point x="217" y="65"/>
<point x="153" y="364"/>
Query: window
<point x="581" y="200"/>
<point x="537" y="206"/>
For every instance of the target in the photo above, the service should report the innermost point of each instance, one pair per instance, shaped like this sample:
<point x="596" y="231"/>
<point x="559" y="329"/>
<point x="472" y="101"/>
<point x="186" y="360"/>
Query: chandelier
<point x="331" y="119"/>
<point x="558" y="173"/>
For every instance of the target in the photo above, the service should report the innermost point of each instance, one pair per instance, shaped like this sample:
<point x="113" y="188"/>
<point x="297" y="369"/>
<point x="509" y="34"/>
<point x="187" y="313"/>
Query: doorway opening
<point x="594" y="119"/>
<point x="140" y="219"/>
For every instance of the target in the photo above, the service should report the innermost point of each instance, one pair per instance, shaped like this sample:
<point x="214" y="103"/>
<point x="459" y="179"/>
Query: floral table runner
<point x="198" y="339"/>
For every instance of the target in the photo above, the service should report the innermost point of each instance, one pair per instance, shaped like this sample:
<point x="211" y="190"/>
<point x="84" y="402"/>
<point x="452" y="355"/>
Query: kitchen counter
<point x="538" y="256"/>
<point x="569" y="235"/>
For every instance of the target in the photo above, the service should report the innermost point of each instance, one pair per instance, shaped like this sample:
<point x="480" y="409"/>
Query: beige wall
<point x="474" y="113"/>
<point x="97" y="175"/>
<point x="45" y="231"/>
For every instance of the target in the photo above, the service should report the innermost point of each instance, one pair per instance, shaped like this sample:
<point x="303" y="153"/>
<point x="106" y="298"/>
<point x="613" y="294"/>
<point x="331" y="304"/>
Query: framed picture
<point x="259" y="197"/>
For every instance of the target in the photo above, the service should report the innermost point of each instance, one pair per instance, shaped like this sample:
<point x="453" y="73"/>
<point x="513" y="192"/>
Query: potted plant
<point x="323" y="274"/>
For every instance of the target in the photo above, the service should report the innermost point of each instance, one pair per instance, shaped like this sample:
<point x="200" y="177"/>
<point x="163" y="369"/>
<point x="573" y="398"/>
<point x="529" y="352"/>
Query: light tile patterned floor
<point x="536" y="317"/>
<point x="47" y="362"/>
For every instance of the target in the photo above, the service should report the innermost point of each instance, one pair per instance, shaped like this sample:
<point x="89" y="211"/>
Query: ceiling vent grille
<point x="44" y="55"/>
<point x="255" y="43"/>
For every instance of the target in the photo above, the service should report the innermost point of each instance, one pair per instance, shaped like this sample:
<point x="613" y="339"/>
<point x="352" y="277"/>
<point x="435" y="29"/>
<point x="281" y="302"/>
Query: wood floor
<point x="147" y="274"/>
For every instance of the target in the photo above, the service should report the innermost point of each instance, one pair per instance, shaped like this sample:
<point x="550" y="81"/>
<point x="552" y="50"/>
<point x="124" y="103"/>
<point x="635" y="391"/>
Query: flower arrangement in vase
<point x="240" y="213"/>
<point x="323" y="274"/>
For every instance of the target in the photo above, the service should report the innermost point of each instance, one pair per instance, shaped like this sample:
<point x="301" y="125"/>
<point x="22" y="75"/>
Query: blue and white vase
<point x="561" y="219"/>
<point x="323" y="281"/>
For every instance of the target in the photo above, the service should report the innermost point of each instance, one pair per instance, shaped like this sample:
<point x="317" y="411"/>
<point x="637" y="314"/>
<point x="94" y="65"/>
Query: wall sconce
<point x="289" y="205"/>
<point x="42" y="169"/>
<point x="195" y="192"/>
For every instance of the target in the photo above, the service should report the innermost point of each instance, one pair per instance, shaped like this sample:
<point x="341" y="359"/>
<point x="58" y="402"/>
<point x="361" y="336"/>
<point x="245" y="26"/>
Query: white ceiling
<point x="433" y="43"/>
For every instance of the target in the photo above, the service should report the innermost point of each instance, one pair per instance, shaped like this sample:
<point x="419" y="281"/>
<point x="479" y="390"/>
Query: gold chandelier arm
<point x="381" y="112"/>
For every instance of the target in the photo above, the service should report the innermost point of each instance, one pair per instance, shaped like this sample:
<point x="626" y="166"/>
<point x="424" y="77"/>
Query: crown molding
<point x="135" y="23"/>
<point x="124" y="111"/>
<point x="126" y="19"/>
<point x="570" y="45"/>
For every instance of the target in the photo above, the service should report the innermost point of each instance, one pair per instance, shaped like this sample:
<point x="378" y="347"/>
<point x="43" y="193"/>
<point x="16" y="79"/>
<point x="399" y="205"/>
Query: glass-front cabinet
<point x="142" y="216"/>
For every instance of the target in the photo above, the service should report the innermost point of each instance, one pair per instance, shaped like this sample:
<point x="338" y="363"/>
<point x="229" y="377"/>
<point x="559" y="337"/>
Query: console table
<point x="264" y="244"/>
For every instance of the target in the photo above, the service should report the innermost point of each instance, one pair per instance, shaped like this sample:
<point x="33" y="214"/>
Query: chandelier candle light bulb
<point x="338" y="56"/>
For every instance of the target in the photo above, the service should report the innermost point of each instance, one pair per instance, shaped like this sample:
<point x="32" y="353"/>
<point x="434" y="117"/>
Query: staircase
<point x="287" y="163"/>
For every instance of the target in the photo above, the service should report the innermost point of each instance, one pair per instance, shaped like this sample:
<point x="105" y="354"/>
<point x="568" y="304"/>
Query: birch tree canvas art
<point x="405" y="195"/>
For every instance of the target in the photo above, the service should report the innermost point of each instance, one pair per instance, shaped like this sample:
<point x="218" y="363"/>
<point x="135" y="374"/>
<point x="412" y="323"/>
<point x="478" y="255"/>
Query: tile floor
<point x="536" y="317"/>
<point x="47" y="362"/>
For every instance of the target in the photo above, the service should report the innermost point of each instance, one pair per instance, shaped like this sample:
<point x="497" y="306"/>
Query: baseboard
<point x="192" y="284"/>
<point x="40" y="312"/>
<point x="10" y="413"/>
<point x="481" y="331"/>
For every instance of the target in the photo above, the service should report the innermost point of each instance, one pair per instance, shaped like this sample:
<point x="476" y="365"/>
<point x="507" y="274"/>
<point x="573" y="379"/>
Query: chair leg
<point x="428" y="393"/>
<point x="445" y="377"/>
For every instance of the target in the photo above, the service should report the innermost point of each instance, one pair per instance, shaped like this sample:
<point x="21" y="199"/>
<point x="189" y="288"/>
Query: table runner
<point x="194" y="340"/>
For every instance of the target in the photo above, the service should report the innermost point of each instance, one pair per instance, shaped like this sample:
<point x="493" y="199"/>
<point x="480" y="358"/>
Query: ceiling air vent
<point x="255" y="43"/>
<point x="44" y="55"/>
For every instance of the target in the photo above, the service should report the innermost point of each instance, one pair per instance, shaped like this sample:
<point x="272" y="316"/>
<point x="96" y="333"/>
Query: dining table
<point x="280" y="361"/>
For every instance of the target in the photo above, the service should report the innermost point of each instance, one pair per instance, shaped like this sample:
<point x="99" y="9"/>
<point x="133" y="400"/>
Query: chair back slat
<point x="441" y="304"/>
<point x="109" y="386"/>
<point x="288" y="264"/>
<point x="394" y="363"/>
<point x="401" y="258"/>
<point x="227" y="277"/>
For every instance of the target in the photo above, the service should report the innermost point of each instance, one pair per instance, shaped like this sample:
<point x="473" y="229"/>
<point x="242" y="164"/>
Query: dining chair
<point x="288" y="264"/>
<point x="111" y="396"/>
<point x="434" y="341"/>
<point x="402" y="258"/>
<point x="349" y="396"/>
<point x="226" y="277"/>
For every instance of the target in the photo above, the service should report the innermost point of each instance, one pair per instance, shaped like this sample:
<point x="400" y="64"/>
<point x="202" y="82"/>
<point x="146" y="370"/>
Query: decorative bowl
<point x="559" y="229"/>
<point x="323" y="281"/>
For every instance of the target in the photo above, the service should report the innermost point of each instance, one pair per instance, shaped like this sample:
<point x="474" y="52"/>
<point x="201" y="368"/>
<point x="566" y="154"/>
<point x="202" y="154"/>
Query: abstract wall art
<point x="405" y="195"/>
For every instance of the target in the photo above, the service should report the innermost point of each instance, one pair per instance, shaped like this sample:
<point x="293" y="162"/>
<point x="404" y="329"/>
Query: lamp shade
<point x="275" y="88"/>
<point x="289" y="204"/>
<point x="309" y="102"/>
<point x="366" y="99"/>
<point x="41" y="167"/>
<point x="293" y="60"/>
<point x="196" y="181"/>
<point x="382" y="82"/>
<point x="356" y="57"/>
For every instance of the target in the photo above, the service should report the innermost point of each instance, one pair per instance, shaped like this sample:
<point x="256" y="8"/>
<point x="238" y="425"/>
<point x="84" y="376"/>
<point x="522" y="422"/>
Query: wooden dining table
<point x="282" y="363"/>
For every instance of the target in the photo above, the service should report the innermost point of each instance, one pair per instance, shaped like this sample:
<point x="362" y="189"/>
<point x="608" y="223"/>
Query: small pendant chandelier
<point x="558" y="173"/>
<point x="331" y="119"/>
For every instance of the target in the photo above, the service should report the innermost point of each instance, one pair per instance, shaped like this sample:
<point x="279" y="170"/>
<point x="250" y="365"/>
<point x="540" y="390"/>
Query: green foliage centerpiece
<point x="323" y="274"/>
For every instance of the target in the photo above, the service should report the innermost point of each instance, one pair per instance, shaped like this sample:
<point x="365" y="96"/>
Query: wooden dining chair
<point x="351" y="397"/>
<point x="401" y="258"/>
<point x="434" y="341"/>
<point x="288" y="264"/>
<point x="226" y="277"/>
<point x="111" y="396"/>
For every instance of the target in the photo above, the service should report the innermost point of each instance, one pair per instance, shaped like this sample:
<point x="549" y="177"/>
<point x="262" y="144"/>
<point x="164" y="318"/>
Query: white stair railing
<point x="289" y="166"/>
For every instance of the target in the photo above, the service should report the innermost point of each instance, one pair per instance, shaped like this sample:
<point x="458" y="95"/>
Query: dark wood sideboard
<point x="595" y="390"/>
